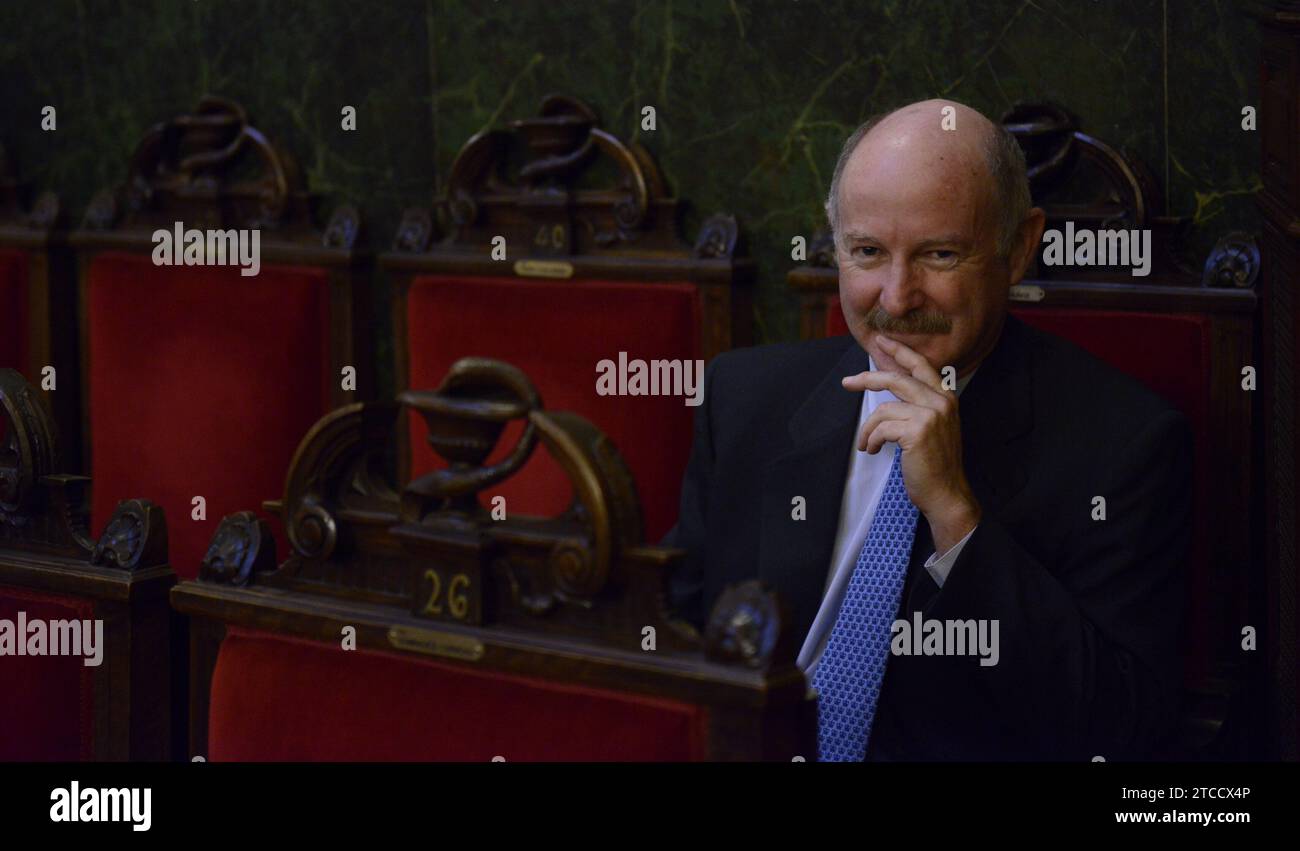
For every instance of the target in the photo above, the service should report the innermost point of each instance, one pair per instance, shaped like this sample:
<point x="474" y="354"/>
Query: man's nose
<point x="901" y="293"/>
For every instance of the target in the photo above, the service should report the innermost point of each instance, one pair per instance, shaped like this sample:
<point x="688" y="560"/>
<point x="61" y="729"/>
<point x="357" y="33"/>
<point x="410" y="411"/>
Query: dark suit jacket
<point x="1089" y="610"/>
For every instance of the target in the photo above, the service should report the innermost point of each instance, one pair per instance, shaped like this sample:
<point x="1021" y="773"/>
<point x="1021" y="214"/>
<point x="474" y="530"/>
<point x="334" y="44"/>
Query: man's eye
<point x="944" y="255"/>
<point x="867" y="250"/>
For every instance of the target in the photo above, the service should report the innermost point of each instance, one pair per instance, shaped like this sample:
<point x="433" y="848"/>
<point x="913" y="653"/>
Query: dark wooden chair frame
<point x="124" y="574"/>
<point x="564" y="599"/>
<point x="1278" y="202"/>
<point x="38" y="227"/>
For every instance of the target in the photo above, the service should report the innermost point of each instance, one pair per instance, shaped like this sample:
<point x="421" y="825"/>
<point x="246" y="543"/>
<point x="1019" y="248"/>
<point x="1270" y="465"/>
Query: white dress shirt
<point x="863" y="487"/>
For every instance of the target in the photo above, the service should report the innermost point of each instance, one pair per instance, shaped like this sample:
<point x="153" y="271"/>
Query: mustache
<point x="916" y="322"/>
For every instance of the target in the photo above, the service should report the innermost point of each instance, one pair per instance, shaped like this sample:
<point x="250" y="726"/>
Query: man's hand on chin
<point x="925" y="423"/>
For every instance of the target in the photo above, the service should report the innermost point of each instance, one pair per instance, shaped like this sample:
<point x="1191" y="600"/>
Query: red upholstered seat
<point x="13" y="311"/>
<point x="202" y="383"/>
<point x="46" y="702"/>
<point x="278" y="698"/>
<point x="556" y="332"/>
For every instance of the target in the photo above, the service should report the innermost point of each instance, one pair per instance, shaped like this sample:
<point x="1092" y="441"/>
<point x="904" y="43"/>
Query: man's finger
<point x="881" y="359"/>
<point x="912" y="361"/>
<point x="905" y="387"/>
<point x="885" y="411"/>
<point x="889" y="431"/>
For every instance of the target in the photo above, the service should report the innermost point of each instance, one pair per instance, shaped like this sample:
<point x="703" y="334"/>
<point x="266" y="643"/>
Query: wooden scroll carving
<point x="212" y="168"/>
<point x="532" y="183"/>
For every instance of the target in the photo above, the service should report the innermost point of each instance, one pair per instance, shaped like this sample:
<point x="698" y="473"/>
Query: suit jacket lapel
<point x="794" y="555"/>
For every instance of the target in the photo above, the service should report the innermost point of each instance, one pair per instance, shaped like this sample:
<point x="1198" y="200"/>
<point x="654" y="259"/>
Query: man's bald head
<point x="973" y="149"/>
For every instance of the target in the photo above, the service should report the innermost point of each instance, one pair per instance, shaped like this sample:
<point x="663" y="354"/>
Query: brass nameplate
<point x="434" y="643"/>
<point x="1027" y="292"/>
<point x="544" y="268"/>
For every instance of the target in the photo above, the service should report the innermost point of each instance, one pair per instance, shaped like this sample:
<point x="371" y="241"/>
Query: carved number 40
<point x="457" y="600"/>
<point x="555" y="237"/>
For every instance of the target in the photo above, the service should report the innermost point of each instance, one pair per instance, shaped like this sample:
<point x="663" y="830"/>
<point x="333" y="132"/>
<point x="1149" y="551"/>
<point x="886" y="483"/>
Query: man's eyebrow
<point x="944" y="239"/>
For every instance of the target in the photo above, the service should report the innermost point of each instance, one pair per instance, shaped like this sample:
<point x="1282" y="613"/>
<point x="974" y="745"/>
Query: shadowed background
<point x="753" y="99"/>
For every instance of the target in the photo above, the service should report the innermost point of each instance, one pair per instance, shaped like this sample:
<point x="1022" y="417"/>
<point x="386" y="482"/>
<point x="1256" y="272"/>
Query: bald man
<point x="923" y="494"/>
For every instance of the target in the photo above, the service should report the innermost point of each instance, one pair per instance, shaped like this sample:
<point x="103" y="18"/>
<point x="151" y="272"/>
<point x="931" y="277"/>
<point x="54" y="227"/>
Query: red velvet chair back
<point x="559" y="331"/>
<point x="199" y="379"/>
<point x="545" y="273"/>
<point x="203" y="359"/>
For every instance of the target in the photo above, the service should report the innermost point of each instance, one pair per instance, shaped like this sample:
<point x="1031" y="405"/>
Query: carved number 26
<point x="457" y="600"/>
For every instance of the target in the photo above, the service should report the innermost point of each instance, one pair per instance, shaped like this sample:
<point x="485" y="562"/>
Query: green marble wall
<point x="753" y="98"/>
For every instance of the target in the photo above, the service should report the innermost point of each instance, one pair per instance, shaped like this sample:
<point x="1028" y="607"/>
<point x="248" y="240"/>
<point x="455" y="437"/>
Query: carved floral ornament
<point x="134" y="538"/>
<point x="241" y="547"/>
<point x="1234" y="262"/>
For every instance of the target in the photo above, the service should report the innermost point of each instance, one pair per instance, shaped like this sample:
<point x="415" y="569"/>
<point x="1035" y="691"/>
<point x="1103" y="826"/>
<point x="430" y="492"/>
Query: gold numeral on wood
<point x="458" y="597"/>
<point x="432" y="606"/>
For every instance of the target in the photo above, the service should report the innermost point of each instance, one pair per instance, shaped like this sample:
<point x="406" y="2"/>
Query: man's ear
<point x="1026" y="246"/>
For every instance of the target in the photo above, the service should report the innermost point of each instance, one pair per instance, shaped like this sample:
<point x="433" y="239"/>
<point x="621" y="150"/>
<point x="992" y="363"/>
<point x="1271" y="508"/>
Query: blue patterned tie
<point x="852" y="667"/>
